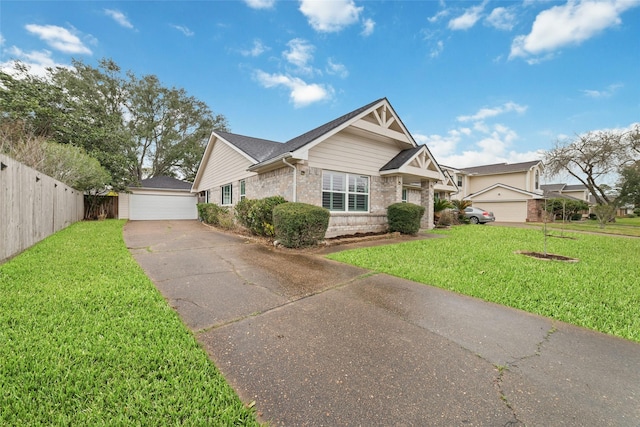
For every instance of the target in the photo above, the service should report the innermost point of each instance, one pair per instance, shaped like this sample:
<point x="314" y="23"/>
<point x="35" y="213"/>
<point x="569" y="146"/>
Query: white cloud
<point x="368" y="25"/>
<point x="301" y="93"/>
<point x="606" y="93"/>
<point x="468" y="19"/>
<point x="437" y="49"/>
<point x="300" y="53"/>
<point x="2" y="40"/>
<point x="119" y="17"/>
<point x="435" y="18"/>
<point x="36" y="61"/>
<point x="338" y="69"/>
<point x="501" y="18"/>
<point x="260" y="4"/>
<point x="184" y="30"/>
<point x="257" y="49"/>
<point x="330" y="16"/>
<point x="569" y="24"/>
<point x="59" y="38"/>
<point x="485" y="113"/>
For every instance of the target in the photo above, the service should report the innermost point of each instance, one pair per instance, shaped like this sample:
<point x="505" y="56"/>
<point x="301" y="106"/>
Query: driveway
<point x="318" y="343"/>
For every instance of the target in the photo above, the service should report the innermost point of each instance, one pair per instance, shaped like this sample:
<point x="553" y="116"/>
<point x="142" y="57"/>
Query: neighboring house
<point x="510" y="190"/>
<point x="160" y="197"/>
<point x="355" y="166"/>
<point x="577" y="191"/>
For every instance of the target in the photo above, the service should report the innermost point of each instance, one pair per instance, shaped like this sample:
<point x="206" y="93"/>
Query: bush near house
<point x="257" y="215"/>
<point x="215" y="215"/>
<point x="300" y="225"/>
<point x="404" y="217"/>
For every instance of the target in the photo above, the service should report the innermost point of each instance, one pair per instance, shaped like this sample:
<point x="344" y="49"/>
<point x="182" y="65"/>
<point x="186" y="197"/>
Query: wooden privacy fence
<point x="32" y="206"/>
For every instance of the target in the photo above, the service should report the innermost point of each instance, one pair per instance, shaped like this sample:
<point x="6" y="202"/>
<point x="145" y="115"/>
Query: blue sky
<point x="479" y="82"/>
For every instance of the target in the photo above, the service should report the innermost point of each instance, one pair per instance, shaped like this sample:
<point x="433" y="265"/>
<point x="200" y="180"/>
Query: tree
<point x="630" y="185"/>
<point x="64" y="162"/>
<point x="565" y="208"/>
<point x="135" y="127"/>
<point x="169" y="129"/>
<point x="591" y="157"/>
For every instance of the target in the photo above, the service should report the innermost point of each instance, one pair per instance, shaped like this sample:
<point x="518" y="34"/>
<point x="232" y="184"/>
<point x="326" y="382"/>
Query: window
<point x="243" y="188"/>
<point x="537" y="183"/>
<point x="404" y="195"/>
<point x="227" y="191"/>
<point x="459" y="181"/>
<point x="345" y="192"/>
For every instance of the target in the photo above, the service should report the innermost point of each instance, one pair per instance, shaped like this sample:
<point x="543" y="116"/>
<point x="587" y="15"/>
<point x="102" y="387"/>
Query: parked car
<point x="478" y="215"/>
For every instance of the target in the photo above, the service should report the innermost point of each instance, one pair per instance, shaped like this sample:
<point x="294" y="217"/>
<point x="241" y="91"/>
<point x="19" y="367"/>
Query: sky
<point x="478" y="82"/>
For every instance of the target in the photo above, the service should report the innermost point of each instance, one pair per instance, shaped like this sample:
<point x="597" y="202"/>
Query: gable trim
<point x="506" y="187"/>
<point x="215" y="137"/>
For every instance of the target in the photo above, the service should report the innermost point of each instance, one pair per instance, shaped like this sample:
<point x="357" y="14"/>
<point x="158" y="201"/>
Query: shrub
<point x="299" y="225"/>
<point x="260" y="215"/>
<point x="216" y="215"/>
<point x="636" y="211"/>
<point x="630" y="215"/>
<point x="404" y="217"/>
<point x="242" y="209"/>
<point x="447" y="218"/>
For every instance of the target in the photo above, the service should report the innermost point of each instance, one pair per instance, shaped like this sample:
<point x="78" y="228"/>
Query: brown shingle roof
<point x="500" y="168"/>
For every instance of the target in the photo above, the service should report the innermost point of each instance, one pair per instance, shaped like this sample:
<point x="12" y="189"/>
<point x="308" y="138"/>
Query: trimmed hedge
<point x="404" y="217"/>
<point x="257" y="215"/>
<point x="215" y="215"/>
<point x="300" y="225"/>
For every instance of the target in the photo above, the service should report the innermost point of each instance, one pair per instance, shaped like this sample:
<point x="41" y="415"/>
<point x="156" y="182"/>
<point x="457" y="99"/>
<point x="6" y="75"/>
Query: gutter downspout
<point x="295" y="178"/>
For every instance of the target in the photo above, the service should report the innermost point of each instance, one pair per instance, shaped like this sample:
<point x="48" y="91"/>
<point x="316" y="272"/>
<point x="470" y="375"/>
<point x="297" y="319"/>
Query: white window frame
<point x="350" y="185"/>
<point x="224" y="192"/>
<point x="405" y="196"/>
<point x="243" y="189"/>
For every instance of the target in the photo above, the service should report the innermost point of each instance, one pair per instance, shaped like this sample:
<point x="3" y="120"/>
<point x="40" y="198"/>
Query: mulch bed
<point x="547" y="257"/>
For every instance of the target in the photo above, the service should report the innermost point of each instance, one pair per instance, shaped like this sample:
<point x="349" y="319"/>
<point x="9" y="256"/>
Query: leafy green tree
<point x="565" y="208"/>
<point x="630" y="185"/>
<point x="135" y="127"/>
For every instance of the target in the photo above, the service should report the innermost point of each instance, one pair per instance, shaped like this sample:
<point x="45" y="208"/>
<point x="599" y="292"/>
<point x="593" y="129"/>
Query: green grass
<point x="622" y="226"/>
<point x="86" y="339"/>
<point x="601" y="291"/>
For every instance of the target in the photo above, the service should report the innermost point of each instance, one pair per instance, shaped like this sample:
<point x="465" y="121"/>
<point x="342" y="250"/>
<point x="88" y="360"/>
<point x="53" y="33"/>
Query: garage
<point x="158" y="198"/>
<point x="506" y="211"/>
<point x="507" y="203"/>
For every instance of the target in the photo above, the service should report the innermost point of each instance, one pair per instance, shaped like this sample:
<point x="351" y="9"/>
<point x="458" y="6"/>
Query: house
<point x="160" y="197"/>
<point x="577" y="191"/>
<point x="355" y="166"/>
<point x="510" y="190"/>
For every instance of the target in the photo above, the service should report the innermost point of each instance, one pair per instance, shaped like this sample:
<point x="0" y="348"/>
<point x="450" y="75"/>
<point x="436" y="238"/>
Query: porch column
<point x="427" y="197"/>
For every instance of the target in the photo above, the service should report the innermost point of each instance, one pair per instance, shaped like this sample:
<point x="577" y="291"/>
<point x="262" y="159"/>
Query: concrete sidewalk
<point x="315" y="342"/>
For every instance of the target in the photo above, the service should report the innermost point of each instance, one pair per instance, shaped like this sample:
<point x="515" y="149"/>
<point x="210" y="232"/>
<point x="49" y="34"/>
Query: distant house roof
<point x="165" y="183"/>
<point x="552" y="187"/>
<point x="499" y="168"/>
<point x="575" y="187"/>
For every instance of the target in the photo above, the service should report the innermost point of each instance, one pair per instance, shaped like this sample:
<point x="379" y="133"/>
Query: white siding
<point x="123" y="205"/>
<point x="347" y="152"/>
<point x="225" y="165"/>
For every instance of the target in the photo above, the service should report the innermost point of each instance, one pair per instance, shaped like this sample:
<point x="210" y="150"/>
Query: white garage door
<point x="148" y="207"/>
<point x="506" y="211"/>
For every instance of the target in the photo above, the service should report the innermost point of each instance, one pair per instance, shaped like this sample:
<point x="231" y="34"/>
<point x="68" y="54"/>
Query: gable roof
<point x="164" y="183"/>
<point x="506" y="187"/>
<point x="401" y="158"/>
<point x="499" y="168"/>
<point x="257" y="148"/>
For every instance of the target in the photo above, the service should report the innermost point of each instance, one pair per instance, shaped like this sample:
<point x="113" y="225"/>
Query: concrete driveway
<point x="318" y="343"/>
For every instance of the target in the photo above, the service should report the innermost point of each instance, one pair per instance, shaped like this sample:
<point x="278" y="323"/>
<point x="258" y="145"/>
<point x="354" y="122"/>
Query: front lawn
<point x="622" y="226"/>
<point x="86" y="339"/>
<point x="601" y="291"/>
